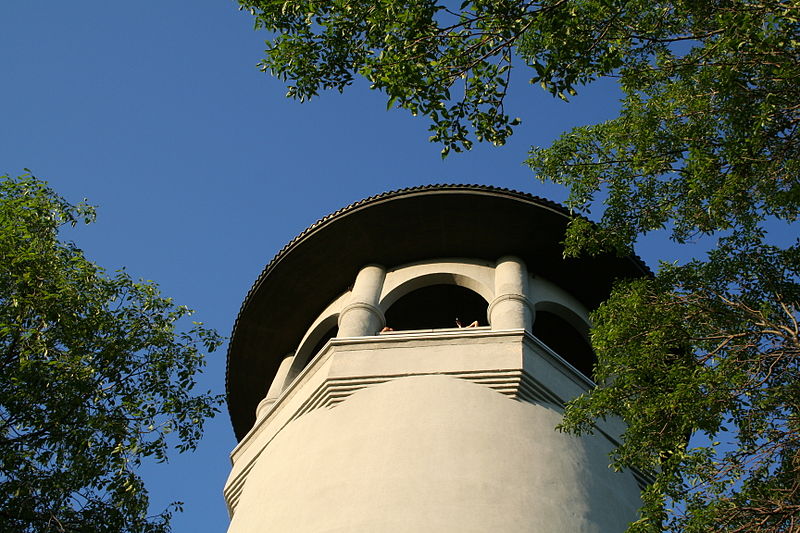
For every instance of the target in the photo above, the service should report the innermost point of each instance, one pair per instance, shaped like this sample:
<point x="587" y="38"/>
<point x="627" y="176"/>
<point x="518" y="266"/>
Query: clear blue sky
<point x="202" y="170"/>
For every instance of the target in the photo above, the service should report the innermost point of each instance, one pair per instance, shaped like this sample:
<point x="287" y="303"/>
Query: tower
<point x="425" y="426"/>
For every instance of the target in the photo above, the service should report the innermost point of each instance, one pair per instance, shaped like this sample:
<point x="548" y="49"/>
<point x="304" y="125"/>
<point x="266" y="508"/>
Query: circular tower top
<point x="395" y="228"/>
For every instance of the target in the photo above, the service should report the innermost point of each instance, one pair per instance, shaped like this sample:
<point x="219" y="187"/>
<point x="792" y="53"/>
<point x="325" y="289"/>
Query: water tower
<point x="360" y="405"/>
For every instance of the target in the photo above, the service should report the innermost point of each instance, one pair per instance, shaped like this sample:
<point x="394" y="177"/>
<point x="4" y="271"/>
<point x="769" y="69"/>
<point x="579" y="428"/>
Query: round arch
<point x="565" y="313"/>
<point x="566" y="333"/>
<point x="435" y="278"/>
<point x="315" y="339"/>
<point x="439" y="306"/>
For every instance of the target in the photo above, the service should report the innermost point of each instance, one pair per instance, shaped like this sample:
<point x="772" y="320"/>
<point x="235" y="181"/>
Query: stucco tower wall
<point x="431" y="454"/>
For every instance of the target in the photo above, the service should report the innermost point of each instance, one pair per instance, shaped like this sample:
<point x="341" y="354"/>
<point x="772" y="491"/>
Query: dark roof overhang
<point x="391" y="229"/>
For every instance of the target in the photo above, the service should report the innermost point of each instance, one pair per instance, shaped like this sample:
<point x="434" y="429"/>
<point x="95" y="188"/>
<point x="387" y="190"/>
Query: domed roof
<point x="395" y="228"/>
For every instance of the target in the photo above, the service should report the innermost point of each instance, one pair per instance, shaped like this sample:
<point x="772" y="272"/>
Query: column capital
<point x="362" y="306"/>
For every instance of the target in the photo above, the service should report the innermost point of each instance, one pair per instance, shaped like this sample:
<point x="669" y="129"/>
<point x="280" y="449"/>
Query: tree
<point x="705" y="147"/>
<point x="94" y="376"/>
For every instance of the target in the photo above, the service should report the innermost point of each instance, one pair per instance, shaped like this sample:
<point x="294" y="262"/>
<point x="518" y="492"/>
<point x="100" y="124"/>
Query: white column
<point x="361" y="316"/>
<point x="277" y="386"/>
<point x="511" y="308"/>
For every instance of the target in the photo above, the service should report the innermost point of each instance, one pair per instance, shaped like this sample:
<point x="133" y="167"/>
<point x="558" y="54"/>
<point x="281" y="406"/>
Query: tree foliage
<point x="709" y="349"/>
<point x="705" y="145"/>
<point x="94" y="375"/>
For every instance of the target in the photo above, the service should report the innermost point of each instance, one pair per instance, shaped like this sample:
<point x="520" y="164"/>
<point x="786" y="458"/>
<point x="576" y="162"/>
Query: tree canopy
<point x="96" y="374"/>
<point x="705" y="146"/>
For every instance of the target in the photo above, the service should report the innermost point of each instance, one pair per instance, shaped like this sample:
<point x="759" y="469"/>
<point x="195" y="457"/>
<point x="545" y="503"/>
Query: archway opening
<point x="328" y="335"/>
<point x="564" y="339"/>
<point x="435" y="307"/>
<point x="304" y="356"/>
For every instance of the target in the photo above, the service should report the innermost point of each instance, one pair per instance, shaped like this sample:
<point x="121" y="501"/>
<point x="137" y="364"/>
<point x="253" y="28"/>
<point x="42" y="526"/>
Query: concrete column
<point x="510" y="308"/>
<point x="361" y="317"/>
<point x="277" y="386"/>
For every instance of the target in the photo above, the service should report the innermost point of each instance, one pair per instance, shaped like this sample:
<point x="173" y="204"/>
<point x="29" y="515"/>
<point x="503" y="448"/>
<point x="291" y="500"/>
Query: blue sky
<point x="202" y="170"/>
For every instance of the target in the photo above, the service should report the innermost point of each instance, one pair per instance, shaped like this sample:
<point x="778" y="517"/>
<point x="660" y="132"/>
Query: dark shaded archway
<point x="328" y="335"/>
<point x="436" y="306"/>
<point x="324" y="332"/>
<point x="564" y="339"/>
